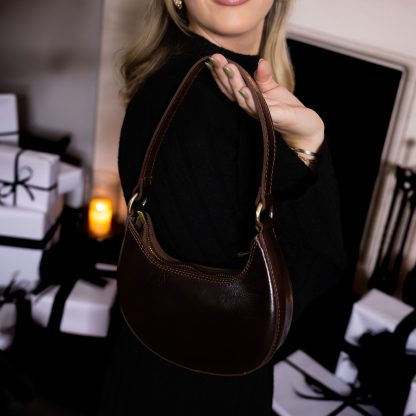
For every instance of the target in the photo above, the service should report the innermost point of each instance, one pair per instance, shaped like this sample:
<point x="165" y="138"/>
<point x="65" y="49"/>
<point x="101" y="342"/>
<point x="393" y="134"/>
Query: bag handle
<point x="264" y="196"/>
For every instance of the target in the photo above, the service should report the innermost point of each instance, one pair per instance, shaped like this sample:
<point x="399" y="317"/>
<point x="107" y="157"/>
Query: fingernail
<point x="214" y="62"/>
<point x="228" y="72"/>
<point x="261" y="59"/>
<point x="243" y="93"/>
<point x="209" y="66"/>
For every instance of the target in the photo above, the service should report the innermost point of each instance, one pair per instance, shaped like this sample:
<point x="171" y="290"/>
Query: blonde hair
<point x="159" y="39"/>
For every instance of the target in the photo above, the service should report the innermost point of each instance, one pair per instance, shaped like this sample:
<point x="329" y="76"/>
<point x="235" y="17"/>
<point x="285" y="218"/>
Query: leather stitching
<point x="201" y="276"/>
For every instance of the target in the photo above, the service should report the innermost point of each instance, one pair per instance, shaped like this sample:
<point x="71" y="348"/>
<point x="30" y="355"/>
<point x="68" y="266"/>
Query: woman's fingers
<point x="269" y="87"/>
<point x="230" y="82"/>
<point x="238" y="86"/>
<point x="249" y="101"/>
<point x="220" y="84"/>
<point x="216" y="64"/>
<point x="298" y="125"/>
<point x="264" y="78"/>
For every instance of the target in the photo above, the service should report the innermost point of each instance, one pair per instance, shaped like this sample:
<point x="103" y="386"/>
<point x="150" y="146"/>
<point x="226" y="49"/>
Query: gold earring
<point x="178" y="4"/>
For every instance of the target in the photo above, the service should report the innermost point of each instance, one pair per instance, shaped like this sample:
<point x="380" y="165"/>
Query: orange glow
<point x="100" y="214"/>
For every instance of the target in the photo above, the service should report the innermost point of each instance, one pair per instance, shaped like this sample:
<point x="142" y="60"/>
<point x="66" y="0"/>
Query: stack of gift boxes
<point x="304" y="387"/>
<point x="34" y="188"/>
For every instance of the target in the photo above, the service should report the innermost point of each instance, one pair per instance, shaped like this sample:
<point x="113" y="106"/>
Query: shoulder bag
<point x="209" y="320"/>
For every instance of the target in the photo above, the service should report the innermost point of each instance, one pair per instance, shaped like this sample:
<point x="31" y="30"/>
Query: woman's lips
<point x="230" y="2"/>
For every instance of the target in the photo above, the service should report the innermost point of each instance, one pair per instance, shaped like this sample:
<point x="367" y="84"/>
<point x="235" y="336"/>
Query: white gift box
<point x="22" y="264"/>
<point x="294" y="394"/>
<point x="8" y="119"/>
<point x="24" y="235"/>
<point x="375" y="312"/>
<point x="8" y="317"/>
<point x="410" y="409"/>
<point x="71" y="183"/>
<point x="28" y="179"/>
<point x="24" y="223"/>
<point x="87" y="309"/>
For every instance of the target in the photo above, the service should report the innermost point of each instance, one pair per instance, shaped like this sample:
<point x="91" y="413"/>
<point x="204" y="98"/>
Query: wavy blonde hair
<point x="159" y="39"/>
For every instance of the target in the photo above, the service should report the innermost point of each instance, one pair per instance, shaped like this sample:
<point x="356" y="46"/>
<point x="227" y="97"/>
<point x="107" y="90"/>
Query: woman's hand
<point x="299" y="126"/>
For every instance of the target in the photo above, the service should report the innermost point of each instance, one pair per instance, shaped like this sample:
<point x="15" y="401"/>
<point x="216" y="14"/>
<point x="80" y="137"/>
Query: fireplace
<point x="357" y="70"/>
<point x="346" y="92"/>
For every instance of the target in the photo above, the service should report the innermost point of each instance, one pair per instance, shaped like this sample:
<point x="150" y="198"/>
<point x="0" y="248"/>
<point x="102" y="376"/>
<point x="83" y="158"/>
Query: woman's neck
<point x="248" y="43"/>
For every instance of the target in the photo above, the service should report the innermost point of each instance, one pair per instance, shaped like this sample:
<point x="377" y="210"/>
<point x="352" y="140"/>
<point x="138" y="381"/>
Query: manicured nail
<point x="209" y="65"/>
<point x="243" y="93"/>
<point x="214" y="62"/>
<point x="229" y="72"/>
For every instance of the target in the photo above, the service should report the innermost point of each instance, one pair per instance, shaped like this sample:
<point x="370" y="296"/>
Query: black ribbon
<point x="17" y="295"/>
<point x="385" y="371"/>
<point x="63" y="265"/>
<point x="29" y="243"/>
<point x="62" y="295"/>
<point x="11" y="294"/>
<point x="353" y="400"/>
<point x="21" y="178"/>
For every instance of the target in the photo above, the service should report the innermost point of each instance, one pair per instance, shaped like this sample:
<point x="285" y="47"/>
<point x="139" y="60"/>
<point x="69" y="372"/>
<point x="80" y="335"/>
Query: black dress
<point x="202" y="206"/>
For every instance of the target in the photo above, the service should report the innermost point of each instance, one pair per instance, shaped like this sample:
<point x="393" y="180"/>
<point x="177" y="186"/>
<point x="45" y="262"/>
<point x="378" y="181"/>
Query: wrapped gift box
<point x="410" y="409"/>
<point x="24" y="235"/>
<point x="8" y="119"/>
<point x="86" y="311"/>
<point x="71" y="183"/>
<point x="28" y="179"/>
<point x="27" y="224"/>
<point x="374" y="313"/>
<point x="302" y="387"/>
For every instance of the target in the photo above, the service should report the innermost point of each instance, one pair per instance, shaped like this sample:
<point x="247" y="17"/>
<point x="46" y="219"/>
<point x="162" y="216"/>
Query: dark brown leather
<point x="264" y="194"/>
<point x="210" y="320"/>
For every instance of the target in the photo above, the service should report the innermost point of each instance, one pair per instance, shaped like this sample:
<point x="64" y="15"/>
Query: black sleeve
<point x="307" y="220"/>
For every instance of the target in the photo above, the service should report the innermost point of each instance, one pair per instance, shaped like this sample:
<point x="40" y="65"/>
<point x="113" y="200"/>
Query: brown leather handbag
<point x="210" y="320"/>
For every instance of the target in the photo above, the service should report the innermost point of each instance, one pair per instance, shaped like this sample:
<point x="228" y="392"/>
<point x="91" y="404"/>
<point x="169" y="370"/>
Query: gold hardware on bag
<point x="258" y="212"/>
<point x="140" y="220"/>
<point x="132" y="199"/>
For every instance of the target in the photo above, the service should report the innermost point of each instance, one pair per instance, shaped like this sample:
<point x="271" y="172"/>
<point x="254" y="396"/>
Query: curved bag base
<point x="220" y="323"/>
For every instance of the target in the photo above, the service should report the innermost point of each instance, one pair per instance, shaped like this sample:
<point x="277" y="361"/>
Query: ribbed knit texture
<point x="202" y="206"/>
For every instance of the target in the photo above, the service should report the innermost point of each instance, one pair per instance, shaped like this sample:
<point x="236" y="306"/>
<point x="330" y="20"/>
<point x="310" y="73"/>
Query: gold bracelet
<point x="310" y="162"/>
<point x="306" y="160"/>
<point x="305" y="152"/>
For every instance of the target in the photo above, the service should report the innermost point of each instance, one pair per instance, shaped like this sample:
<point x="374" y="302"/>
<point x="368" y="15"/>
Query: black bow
<point x="22" y="177"/>
<point x="385" y="371"/>
<point x="324" y="393"/>
<point x="10" y="294"/>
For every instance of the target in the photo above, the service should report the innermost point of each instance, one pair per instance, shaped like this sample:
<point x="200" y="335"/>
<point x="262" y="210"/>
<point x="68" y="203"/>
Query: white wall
<point x="50" y="56"/>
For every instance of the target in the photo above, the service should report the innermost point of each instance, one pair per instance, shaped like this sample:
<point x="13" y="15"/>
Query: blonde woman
<point x="206" y="179"/>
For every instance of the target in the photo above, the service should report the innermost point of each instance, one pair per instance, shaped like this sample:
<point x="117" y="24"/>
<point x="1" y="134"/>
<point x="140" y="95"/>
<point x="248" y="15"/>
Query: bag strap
<point x="142" y="189"/>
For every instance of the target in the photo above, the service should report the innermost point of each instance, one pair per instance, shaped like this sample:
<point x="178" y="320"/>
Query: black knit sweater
<point x="207" y="176"/>
<point x="202" y="206"/>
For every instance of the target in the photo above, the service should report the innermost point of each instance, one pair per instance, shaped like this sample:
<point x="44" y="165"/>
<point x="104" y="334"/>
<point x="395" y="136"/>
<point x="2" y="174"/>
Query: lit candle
<point x="100" y="213"/>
